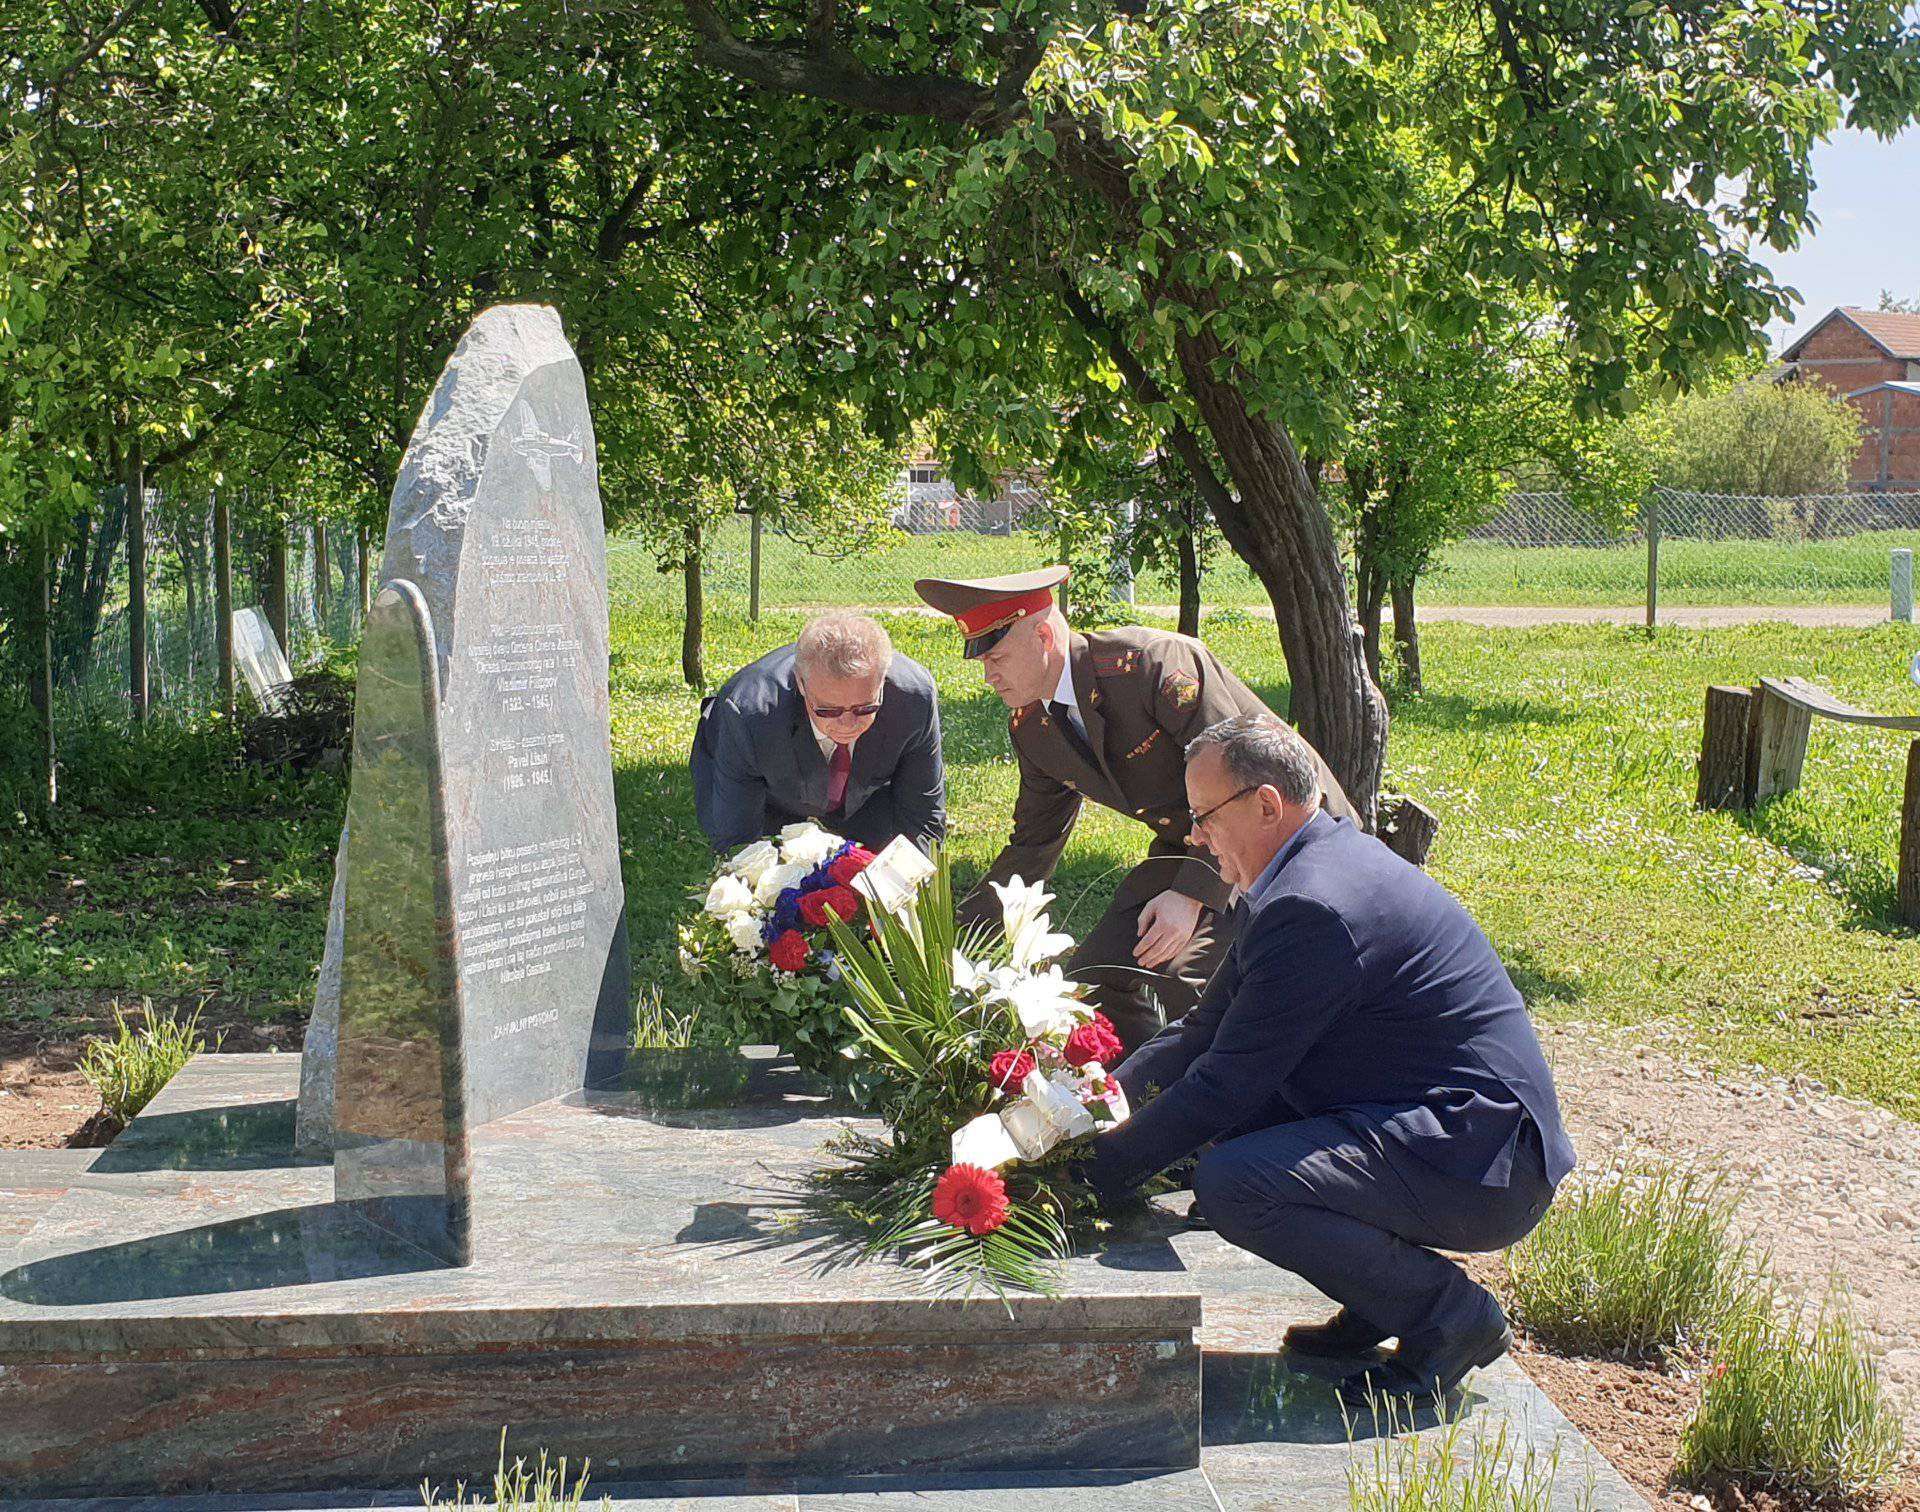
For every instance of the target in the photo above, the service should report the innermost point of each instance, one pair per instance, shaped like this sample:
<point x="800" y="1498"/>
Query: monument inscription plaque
<point x="497" y="518"/>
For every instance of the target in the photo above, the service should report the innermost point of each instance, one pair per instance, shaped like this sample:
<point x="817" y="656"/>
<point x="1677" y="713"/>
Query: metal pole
<point x="136" y="583"/>
<point x="753" y="571"/>
<point x="1653" y="561"/>
<point x="223" y="600"/>
<point x="1903" y="585"/>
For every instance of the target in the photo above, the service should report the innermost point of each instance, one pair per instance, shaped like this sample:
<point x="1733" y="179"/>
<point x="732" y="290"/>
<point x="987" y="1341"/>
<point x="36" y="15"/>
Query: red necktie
<point x="837" y="771"/>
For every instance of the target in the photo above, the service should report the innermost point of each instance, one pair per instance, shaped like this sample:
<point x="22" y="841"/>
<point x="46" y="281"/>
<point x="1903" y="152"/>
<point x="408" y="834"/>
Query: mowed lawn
<point x="1560" y="760"/>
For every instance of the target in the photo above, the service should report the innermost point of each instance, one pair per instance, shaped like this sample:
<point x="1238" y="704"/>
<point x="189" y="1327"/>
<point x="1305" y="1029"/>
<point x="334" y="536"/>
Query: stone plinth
<point x="193" y="1313"/>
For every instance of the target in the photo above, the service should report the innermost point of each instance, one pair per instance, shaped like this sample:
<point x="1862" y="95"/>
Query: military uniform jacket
<point x="1143" y="694"/>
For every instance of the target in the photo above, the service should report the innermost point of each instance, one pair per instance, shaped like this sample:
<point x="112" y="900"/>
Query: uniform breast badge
<point x="1180" y="689"/>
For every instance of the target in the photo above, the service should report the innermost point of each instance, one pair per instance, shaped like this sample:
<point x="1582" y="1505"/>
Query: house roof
<point x="1897" y="385"/>
<point x="1894" y="332"/>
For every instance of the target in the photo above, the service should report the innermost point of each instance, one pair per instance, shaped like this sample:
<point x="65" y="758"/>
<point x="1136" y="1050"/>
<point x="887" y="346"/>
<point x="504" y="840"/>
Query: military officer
<point x="1107" y="716"/>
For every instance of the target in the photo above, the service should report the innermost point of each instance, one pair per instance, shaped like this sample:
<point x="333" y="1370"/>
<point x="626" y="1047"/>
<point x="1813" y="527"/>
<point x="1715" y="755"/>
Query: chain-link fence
<point x="91" y="595"/>
<point x="1538" y="549"/>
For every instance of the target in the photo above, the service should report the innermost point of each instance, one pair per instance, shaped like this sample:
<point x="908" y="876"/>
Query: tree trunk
<point x="1190" y="579"/>
<point x="1372" y="596"/>
<point x="136" y="584"/>
<point x="81" y="593"/>
<point x="693" y="665"/>
<point x="1406" y="633"/>
<point x="366" y="575"/>
<point x="223" y="601"/>
<point x="275" y="585"/>
<point x="39" y="639"/>
<point x="322" y="576"/>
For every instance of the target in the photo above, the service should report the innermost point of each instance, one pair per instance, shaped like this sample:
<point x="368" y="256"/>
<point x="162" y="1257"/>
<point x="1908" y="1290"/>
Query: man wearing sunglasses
<point x="1361" y="1075"/>
<point x="1107" y="716"/>
<point x="838" y="727"/>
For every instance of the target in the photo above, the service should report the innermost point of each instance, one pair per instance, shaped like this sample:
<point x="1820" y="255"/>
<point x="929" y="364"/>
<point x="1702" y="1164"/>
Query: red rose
<point x="850" y="866"/>
<point x="1010" y="1068"/>
<point x="842" y="900"/>
<point x="970" y="1198"/>
<point x="790" y="951"/>
<point x="1093" y="1042"/>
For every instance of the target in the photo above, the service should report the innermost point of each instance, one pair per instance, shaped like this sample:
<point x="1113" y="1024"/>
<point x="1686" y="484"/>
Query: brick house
<point x="1873" y="357"/>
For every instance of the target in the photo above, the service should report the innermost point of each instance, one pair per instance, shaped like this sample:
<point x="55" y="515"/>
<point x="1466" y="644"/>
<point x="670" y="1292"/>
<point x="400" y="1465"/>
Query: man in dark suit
<point x="1106" y="717"/>
<point x="837" y="727"/>
<point x="1363" y="1070"/>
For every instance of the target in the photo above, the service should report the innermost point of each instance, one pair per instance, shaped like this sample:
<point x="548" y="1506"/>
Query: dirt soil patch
<point x="45" y="1103"/>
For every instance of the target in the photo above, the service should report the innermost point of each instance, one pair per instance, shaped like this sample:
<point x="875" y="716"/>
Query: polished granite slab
<point x="1272" y="1435"/>
<point x="194" y="1311"/>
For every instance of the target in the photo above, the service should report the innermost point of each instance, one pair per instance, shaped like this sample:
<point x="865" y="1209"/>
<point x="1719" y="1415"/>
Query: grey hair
<point x="843" y="644"/>
<point x="1261" y="751"/>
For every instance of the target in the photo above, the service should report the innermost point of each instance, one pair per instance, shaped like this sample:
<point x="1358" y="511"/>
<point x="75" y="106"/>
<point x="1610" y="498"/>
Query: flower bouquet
<point x="989" y="1071"/>
<point x="756" y="945"/>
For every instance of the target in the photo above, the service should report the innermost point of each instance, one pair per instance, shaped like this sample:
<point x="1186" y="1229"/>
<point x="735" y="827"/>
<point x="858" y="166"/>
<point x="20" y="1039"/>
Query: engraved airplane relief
<point x="540" y="449"/>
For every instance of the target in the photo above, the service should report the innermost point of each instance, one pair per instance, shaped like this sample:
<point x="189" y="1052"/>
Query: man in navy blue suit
<point x="1362" y="1073"/>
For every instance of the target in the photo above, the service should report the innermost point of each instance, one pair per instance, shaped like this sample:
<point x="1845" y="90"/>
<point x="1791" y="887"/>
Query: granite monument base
<point x="194" y="1313"/>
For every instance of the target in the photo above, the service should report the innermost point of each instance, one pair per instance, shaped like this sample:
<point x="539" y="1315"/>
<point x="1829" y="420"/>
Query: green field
<point x="1560" y="760"/>
<point x="1844" y="570"/>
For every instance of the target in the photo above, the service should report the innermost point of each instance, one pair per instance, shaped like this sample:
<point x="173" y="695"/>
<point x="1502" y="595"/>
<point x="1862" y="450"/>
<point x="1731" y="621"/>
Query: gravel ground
<point x="1832" y="1185"/>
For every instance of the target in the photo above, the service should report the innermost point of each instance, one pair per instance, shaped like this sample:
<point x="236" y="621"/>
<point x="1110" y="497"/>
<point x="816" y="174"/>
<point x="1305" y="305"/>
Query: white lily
<point x="967" y="977"/>
<point x="984" y="1142"/>
<point x="1042" y="1002"/>
<point x="1019" y="902"/>
<point x="1036" y="941"/>
<point x="751" y="862"/>
<point x="776" y="880"/>
<point x="728" y="896"/>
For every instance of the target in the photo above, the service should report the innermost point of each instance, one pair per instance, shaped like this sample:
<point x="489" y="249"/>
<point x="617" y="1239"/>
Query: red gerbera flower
<point x="1010" y="1068"/>
<point x="1095" y="1041"/>
<point x="790" y="951"/>
<point x="844" y="901"/>
<point x="850" y="865"/>
<point x="970" y="1198"/>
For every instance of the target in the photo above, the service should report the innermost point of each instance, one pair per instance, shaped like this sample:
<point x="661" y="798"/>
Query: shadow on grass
<point x="1461" y="711"/>
<point x="1537" y="981"/>
<point x="1865" y="884"/>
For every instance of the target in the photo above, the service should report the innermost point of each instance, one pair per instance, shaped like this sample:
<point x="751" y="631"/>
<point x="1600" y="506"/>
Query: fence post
<point x="753" y="569"/>
<point x="1653" y="560"/>
<point x="223" y="600"/>
<point x="366" y="583"/>
<point x="136" y="582"/>
<point x="1907" y="888"/>
<point x="1903" y="585"/>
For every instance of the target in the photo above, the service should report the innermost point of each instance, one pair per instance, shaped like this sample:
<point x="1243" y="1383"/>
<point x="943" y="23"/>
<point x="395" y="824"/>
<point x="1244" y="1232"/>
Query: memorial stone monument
<point x="496" y="521"/>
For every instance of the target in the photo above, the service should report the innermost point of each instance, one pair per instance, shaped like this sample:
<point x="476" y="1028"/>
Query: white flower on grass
<point x="744" y="930"/>
<point x="751" y="863"/>
<point x="1042" y="1002"/>
<point x="1036" y="941"/>
<point x="1058" y="1099"/>
<point x="1020" y="902"/>
<point x="985" y="1143"/>
<point x="776" y="880"/>
<point x="728" y="896"/>
<point x="809" y="848"/>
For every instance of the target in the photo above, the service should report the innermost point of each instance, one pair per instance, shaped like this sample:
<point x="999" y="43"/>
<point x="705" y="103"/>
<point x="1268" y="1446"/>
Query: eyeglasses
<point x="1198" y="821"/>
<point x="841" y="711"/>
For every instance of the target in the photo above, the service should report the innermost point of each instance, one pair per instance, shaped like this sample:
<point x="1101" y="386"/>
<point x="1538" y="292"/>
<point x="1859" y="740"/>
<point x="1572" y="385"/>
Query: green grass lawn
<point x="1845" y="570"/>
<point x="1560" y="760"/>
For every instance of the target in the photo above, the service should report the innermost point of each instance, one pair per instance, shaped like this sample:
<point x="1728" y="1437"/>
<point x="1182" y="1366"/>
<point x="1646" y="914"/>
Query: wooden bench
<point x="1754" y="746"/>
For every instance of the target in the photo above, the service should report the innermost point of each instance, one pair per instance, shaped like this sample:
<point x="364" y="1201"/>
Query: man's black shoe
<point x="1422" y="1368"/>
<point x="1340" y="1336"/>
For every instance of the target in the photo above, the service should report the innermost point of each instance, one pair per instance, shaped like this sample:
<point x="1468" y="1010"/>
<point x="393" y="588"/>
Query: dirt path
<point x="1701" y="617"/>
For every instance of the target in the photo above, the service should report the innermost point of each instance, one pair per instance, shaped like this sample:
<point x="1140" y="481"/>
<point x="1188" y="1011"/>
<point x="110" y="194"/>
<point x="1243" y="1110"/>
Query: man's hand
<point x="1167" y="923"/>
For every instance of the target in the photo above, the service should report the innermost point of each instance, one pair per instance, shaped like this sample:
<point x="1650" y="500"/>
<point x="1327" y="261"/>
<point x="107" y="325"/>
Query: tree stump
<point x="1723" y="749"/>
<point x="1776" y="746"/>
<point x="1908" y="889"/>
<point x="1407" y="828"/>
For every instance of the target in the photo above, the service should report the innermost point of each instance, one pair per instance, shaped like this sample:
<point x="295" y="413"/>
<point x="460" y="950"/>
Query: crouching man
<point x="1360" y="1068"/>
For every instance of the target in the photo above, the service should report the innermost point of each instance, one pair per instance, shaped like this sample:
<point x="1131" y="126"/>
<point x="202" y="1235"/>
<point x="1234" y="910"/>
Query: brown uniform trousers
<point x="1143" y="694"/>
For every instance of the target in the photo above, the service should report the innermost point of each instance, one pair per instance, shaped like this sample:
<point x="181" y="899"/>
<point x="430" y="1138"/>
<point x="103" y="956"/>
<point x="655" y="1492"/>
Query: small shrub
<point x="1448" y="1469"/>
<point x="129" y="1069"/>
<point x="1631" y="1266"/>
<point x="1792" y="1409"/>
<point x="517" y="1488"/>
<point x="658" y="1027"/>
<point x="1229" y="618"/>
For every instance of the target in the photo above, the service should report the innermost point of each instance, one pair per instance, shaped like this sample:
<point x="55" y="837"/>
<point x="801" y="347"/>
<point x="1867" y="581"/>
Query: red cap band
<point x="1003" y="611"/>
